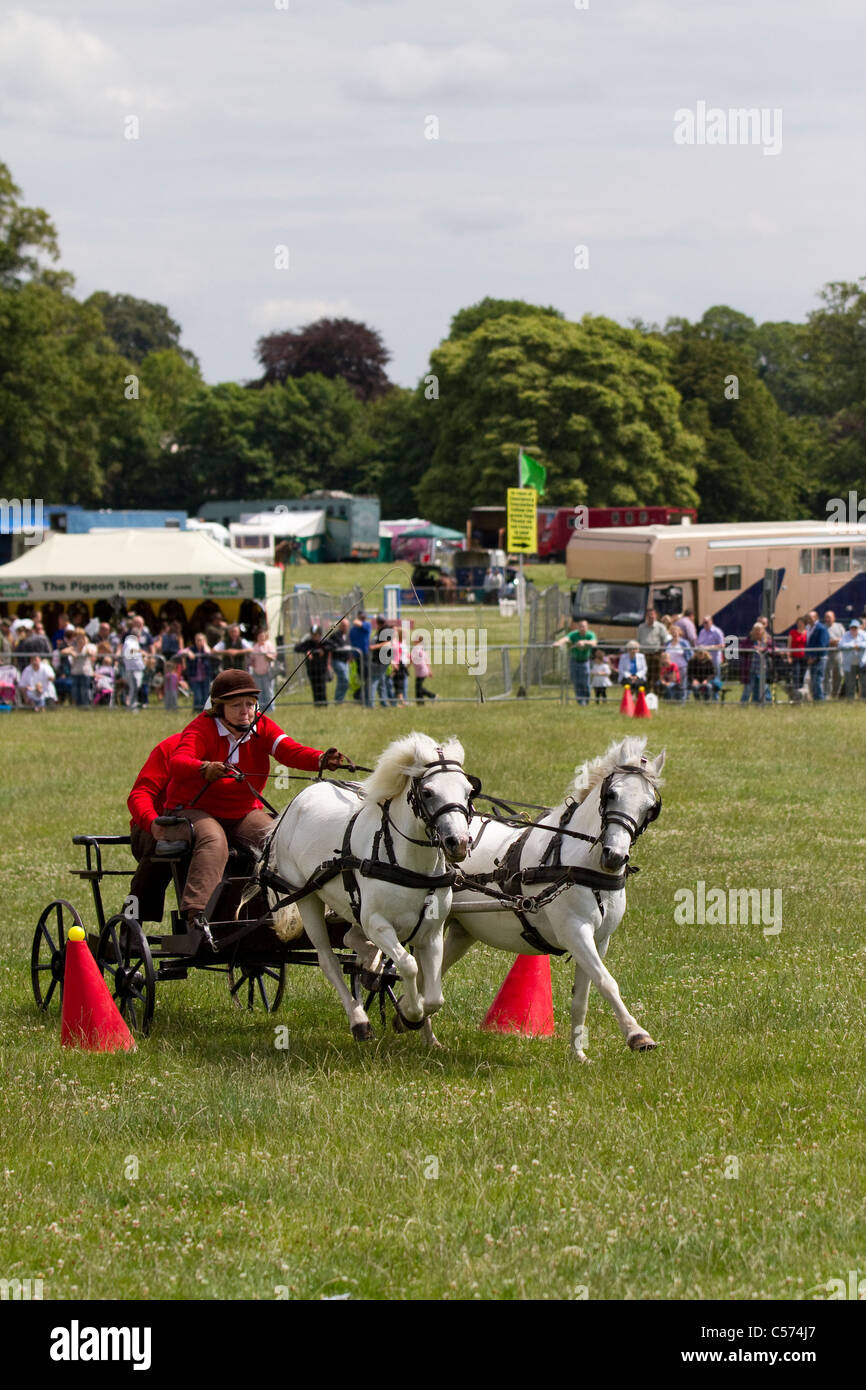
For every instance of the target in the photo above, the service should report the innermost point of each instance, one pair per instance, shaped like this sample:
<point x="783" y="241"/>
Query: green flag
<point x="532" y="474"/>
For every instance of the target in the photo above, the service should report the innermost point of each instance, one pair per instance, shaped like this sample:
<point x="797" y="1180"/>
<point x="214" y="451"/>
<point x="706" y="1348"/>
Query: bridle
<point x="613" y="817"/>
<point x="417" y="805"/>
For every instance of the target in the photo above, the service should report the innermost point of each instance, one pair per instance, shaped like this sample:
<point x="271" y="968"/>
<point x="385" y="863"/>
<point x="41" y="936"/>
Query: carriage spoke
<point x="261" y="985"/>
<point x="46" y="933"/>
<point x="49" y="992"/>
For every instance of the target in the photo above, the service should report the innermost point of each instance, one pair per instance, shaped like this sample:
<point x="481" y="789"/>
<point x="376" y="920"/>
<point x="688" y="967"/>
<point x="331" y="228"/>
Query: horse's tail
<point x="286" y="921"/>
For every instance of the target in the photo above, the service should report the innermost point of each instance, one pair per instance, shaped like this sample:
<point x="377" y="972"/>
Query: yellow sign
<point x="522" y="520"/>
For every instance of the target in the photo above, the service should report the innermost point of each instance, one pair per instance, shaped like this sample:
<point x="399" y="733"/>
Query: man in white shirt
<point x="852" y="650"/>
<point x="36" y="683"/>
<point x="834" y="657"/>
<point x="133" y="662"/>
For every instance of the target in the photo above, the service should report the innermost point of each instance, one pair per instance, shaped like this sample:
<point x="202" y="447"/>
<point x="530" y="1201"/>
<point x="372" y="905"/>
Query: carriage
<point x="377" y="917"/>
<point x="134" y="960"/>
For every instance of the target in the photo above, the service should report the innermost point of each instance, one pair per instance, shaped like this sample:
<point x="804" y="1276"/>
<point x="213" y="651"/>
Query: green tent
<point x="431" y="533"/>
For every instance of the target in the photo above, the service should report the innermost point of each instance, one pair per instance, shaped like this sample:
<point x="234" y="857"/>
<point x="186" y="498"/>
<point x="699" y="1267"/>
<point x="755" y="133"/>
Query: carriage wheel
<point x="123" y="956"/>
<point x="265" y="985"/>
<point x="49" y="950"/>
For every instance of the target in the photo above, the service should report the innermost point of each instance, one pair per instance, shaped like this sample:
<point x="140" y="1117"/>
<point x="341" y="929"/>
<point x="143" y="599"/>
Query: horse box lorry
<point x="716" y="569"/>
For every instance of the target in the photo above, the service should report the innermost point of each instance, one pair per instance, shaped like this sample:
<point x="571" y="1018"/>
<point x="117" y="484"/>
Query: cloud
<point x="272" y="315"/>
<point x="54" y="71"/>
<point x="403" y="71"/>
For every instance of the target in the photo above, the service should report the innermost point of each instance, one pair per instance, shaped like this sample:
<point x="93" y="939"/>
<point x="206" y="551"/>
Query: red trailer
<point x="556" y="525"/>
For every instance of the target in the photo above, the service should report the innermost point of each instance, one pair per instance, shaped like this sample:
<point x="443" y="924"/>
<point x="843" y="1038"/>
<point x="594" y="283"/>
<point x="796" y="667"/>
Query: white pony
<point x="394" y="833"/>
<point x="613" y="799"/>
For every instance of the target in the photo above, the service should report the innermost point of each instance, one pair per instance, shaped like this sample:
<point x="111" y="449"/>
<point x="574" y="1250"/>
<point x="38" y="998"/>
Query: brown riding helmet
<point x="228" y="685"/>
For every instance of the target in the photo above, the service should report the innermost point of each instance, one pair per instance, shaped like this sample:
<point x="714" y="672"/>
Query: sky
<point x="307" y="125"/>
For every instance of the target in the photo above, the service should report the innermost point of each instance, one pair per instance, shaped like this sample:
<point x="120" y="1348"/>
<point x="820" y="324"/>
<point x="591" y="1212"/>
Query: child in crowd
<point x="599" y="674"/>
<point x="170" y="683"/>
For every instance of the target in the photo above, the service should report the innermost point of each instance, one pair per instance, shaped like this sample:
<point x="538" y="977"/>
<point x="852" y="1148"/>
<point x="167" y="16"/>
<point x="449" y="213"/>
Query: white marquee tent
<point x="150" y="564"/>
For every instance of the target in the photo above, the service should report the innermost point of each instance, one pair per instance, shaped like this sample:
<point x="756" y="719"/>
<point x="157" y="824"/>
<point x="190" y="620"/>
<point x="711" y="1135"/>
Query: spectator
<point x="6" y="647"/>
<point x="81" y="654"/>
<point x="399" y="669"/>
<point x="317" y="661"/>
<point x="599" y="675"/>
<point x="421" y="665"/>
<point x="852" y="649"/>
<point x="834" y="674"/>
<point x="703" y="680"/>
<point x="170" y="682"/>
<point x="652" y="636"/>
<point x="380" y="660"/>
<point x="679" y="651"/>
<point x="198" y="665"/>
<point x="233" y="650"/>
<point x="817" y="646"/>
<point x="670" y="679"/>
<point x="36" y="683"/>
<point x="107" y="636"/>
<point x="63" y="631"/>
<point x="170" y="640"/>
<point x="133" y="662"/>
<point x="342" y="652"/>
<point x="360" y="640"/>
<point x="797" y="644"/>
<point x="263" y="656"/>
<point x="754" y="663"/>
<point x="633" y="666"/>
<point x="686" y="624"/>
<point x="580" y="644"/>
<point x="712" y="639"/>
<point x="8" y="682"/>
<point x="34" y="643"/>
<point x="103" y="675"/>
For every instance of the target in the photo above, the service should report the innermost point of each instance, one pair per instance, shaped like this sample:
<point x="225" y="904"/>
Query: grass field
<point x="213" y="1164"/>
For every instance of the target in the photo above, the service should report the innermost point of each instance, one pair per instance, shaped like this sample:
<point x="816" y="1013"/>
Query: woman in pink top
<point x="261" y="663"/>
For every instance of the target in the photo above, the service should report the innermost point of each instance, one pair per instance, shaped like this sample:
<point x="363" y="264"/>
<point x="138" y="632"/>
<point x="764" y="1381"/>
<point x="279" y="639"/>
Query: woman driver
<point x="204" y="786"/>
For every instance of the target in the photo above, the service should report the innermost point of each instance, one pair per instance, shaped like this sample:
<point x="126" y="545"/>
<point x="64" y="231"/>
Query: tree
<point x="590" y="400"/>
<point x="465" y="321"/>
<point x="755" y="461"/>
<point x="393" y="451"/>
<point x="139" y="327"/>
<point x="54" y="365"/>
<point x="332" y="348"/>
<point x="25" y="234"/>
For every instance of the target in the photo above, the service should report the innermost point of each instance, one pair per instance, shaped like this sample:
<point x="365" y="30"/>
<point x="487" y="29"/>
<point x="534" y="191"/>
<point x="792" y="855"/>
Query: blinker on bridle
<point x="614" y="817"/>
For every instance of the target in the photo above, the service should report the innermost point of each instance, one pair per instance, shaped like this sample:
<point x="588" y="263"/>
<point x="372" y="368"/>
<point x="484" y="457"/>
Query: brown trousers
<point x="211" y="851"/>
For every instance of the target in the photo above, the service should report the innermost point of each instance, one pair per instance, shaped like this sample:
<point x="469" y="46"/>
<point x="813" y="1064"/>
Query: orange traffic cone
<point x="90" y="1017"/>
<point x="626" y="704"/>
<point x="524" y="1003"/>
<point x="641" y="708"/>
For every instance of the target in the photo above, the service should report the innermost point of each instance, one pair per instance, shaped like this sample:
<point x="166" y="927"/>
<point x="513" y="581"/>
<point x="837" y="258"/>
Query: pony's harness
<point x="388" y="870"/>
<point x="509" y="878"/>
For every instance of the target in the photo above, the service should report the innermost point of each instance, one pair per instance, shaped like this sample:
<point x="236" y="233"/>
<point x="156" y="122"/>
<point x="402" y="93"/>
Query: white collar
<point x="233" y="739"/>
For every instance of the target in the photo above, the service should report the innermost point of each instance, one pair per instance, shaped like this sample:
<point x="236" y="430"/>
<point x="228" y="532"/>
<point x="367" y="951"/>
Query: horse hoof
<point x="402" y="1024"/>
<point x="362" y="1032"/>
<point x="641" y="1042"/>
<point x="580" y="1057"/>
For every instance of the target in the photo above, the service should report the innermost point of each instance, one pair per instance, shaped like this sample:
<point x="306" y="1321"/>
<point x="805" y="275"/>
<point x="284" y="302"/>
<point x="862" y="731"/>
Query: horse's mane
<point x="625" y="752"/>
<point x="403" y="759"/>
